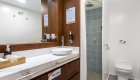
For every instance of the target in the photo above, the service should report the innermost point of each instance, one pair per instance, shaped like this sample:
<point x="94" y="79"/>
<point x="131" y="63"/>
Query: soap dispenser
<point x="44" y="36"/>
<point x="7" y="51"/>
<point x="70" y="37"/>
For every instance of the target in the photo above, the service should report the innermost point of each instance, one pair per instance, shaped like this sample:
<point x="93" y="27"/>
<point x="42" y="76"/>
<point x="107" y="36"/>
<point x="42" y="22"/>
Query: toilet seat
<point x="123" y="66"/>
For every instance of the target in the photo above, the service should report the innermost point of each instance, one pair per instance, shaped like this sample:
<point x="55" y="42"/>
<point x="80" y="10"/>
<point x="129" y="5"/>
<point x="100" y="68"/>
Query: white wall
<point x="83" y="64"/>
<point x="105" y="40"/>
<point x="18" y="29"/>
<point x="124" y="24"/>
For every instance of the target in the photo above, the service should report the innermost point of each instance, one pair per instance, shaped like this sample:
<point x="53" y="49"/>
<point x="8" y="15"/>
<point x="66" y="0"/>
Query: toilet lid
<point x="124" y="66"/>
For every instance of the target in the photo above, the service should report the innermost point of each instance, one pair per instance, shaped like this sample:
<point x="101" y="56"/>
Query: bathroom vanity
<point x="42" y="64"/>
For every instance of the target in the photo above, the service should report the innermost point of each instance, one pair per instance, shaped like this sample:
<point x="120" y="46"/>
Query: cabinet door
<point x="41" y="77"/>
<point x="45" y="76"/>
<point x="76" y="77"/>
<point x="72" y="68"/>
<point x="60" y="77"/>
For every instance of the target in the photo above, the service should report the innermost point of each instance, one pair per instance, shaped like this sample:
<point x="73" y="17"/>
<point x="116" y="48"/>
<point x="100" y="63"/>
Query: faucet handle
<point x="62" y="38"/>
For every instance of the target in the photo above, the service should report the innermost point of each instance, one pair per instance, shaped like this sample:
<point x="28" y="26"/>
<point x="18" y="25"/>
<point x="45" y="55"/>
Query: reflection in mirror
<point x="20" y="21"/>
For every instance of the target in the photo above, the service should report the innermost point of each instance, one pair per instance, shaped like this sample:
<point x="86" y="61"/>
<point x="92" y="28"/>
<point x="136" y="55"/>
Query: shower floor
<point x="94" y="76"/>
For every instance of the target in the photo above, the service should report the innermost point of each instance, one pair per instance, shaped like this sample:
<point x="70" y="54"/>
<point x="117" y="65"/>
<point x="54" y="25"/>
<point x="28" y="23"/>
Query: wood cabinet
<point x="76" y="77"/>
<point x="72" y="68"/>
<point x="41" y="77"/>
<point x="70" y="71"/>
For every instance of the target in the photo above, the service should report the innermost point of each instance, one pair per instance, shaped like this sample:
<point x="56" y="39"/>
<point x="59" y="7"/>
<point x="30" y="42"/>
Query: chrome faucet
<point x="62" y="39"/>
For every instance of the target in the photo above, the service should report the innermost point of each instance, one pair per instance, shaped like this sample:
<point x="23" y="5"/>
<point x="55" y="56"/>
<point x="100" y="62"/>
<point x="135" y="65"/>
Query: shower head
<point x="93" y="4"/>
<point x="89" y="5"/>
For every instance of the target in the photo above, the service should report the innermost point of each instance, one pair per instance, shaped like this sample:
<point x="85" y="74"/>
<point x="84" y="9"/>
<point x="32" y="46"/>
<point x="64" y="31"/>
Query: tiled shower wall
<point x="94" y="39"/>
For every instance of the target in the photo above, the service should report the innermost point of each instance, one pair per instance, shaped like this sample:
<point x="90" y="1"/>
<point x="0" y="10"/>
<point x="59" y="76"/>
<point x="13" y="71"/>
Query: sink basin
<point x="62" y="51"/>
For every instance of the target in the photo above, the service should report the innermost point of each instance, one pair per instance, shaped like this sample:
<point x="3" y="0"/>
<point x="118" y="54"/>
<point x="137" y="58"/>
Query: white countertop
<point x="41" y="62"/>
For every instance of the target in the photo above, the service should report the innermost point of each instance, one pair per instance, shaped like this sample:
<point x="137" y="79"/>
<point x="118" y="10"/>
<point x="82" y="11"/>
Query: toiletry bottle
<point x="70" y="37"/>
<point x="7" y="51"/>
<point x="44" y="36"/>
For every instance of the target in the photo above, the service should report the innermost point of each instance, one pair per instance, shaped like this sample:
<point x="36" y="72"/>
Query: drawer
<point x="76" y="77"/>
<point x="45" y="76"/>
<point x="72" y="68"/>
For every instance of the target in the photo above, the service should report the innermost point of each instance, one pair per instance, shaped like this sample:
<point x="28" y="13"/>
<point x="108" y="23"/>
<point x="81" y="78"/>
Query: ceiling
<point x="96" y="3"/>
<point x="33" y="5"/>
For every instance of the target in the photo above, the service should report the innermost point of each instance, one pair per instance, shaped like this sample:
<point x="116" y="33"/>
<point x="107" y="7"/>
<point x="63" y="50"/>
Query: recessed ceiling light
<point x="6" y="9"/>
<point x="22" y="1"/>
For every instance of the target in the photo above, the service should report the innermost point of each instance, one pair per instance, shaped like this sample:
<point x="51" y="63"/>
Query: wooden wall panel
<point x="60" y="18"/>
<point x="54" y="9"/>
<point x="74" y="27"/>
<point x="51" y="15"/>
<point x="44" y="9"/>
<point x="56" y="17"/>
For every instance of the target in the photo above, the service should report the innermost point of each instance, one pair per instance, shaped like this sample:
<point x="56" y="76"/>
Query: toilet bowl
<point x="124" y="69"/>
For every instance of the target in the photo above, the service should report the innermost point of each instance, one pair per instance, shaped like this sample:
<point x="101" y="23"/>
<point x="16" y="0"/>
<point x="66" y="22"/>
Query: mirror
<point x="20" y="21"/>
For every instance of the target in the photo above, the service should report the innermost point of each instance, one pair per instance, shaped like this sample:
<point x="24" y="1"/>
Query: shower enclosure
<point x="94" y="40"/>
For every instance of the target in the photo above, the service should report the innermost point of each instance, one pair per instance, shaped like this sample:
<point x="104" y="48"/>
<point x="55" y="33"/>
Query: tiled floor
<point x="113" y="77"/>
<point x="94" y="76"/>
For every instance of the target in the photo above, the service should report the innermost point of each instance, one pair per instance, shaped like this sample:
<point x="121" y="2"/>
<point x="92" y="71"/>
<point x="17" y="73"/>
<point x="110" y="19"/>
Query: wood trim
<point x="29" y="46"/>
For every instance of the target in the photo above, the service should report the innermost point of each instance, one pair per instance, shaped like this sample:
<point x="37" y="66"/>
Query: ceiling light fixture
<point x="6" y="9"/>
<point x="22" y="1"/>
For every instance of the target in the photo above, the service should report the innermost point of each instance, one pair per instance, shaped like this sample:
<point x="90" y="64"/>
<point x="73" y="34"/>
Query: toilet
<point x="123" y="69"/>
